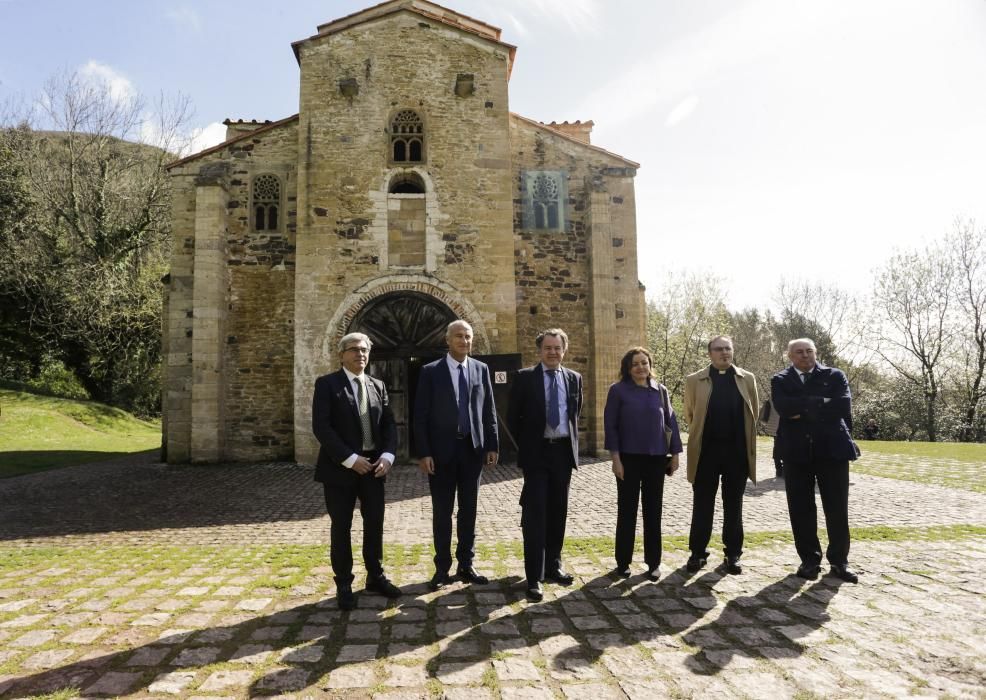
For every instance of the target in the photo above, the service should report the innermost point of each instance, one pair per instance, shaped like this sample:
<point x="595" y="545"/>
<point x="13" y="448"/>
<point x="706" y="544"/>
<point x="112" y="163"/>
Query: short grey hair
<point x="808" y="341"/>
<point x="348" y="339"/>
<point x="457" y="323"/>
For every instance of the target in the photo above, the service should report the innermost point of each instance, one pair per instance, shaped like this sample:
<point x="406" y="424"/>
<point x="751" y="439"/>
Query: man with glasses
<point x="354" y="424"/>
<point x="721" y="406"/>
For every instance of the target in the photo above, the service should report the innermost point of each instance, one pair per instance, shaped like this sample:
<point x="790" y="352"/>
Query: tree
<point x="915" y="293"/>
<point x="681" y="318"/>
<point x="968" y="253"/>
<point x="85" y="277"/>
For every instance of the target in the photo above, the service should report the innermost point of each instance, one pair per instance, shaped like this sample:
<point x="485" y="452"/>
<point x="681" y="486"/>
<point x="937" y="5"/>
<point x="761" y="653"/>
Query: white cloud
<point x="207" y="136"/>
<point x="119" y="86"/>
<point x="682" y="111"/>
<point x="676" y="70"/>
<point x="581" y="16"/>
<point x="517" y="24"/>
<point x="185" y="17"/>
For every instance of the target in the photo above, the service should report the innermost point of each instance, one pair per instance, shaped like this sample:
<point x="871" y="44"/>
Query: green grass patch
<point x="956" y="465"/>
<point x="973" y="452"/>
<point x="44" y="432"/>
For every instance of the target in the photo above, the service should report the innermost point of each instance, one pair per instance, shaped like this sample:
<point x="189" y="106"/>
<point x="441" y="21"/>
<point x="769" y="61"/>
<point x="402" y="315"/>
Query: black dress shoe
<point x="808" y="570"/>
<point x="468" y="574"/>
<point x="733" y="566"/>
<point x="654" y="574"/>
<point x="440" y="580"/>
<point x="346" y="599"/>
<point x="561" y="577"/>
<point x="383" y="586"/>
<point x="535" y="592"/>
<point x="695" y="562"/>
<point x="622" y="572"/>
<point x="844" y="572"/>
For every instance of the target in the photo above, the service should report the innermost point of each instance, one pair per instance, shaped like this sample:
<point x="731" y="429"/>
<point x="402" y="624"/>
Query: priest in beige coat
<point x="721" y="409"/>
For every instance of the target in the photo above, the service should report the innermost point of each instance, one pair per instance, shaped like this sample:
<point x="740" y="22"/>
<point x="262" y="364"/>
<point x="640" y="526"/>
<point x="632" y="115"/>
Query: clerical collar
<point x="713" y="371"/>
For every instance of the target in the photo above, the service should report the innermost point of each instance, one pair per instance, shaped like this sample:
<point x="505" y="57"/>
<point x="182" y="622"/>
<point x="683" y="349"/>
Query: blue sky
<point x="777" y="138"/>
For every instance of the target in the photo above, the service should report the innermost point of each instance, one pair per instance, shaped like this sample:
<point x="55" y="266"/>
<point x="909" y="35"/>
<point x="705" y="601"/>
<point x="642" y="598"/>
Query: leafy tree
<point x="967" y="249"/>
<point x="915" y="292"/>
<point x="682" y="317"/>
<point x="84" y="279"/>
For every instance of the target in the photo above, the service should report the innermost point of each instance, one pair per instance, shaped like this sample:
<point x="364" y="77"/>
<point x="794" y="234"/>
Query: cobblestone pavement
<point x="186" y="621"/>
<point x="137" y="501"/>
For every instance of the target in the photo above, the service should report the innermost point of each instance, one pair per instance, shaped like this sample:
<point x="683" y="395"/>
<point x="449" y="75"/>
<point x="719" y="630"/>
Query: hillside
<point x="43" y="432"/>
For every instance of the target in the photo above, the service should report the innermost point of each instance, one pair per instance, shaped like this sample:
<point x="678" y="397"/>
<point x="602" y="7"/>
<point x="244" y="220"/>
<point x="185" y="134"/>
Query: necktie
<point x="364" y="414"/>
<point x="554" y="417"/>
<point x="463" y="403"/>
<point x="804" y="377"/>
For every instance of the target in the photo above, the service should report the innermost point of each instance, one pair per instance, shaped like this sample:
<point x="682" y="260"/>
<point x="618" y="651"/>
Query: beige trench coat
<point x="698" y="389"/>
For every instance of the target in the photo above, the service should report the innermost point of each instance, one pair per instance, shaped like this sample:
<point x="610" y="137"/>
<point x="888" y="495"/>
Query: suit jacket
<point x="822" y="431"/>
<point x="698" y="389"/>
<point x="336" y="424"/>
<point x="436" y="413"/>
<point x="527" y="412"/>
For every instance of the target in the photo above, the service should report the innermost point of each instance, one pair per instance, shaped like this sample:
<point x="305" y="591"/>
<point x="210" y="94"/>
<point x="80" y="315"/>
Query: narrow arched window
<point x="545" y="202"/>
<point x="266" y="202"/>
<point x="407" y="137"/>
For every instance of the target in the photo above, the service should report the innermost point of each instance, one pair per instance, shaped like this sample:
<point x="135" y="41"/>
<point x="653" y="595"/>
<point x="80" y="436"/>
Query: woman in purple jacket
<point x="638" y="420"/>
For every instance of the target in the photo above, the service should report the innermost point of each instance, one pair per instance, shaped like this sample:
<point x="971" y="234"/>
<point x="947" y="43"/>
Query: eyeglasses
<point x="722" y="348"/>
<point x="362" y="350"/>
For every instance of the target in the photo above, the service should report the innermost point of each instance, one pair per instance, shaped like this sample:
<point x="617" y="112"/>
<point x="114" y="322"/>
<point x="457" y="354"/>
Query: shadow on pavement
<point x="137" y="493"/>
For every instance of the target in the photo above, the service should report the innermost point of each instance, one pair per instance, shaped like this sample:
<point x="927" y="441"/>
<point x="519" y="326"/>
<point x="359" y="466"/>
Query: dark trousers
<point x="833" y="486"/>
<point x="642" y="474"/>
<point x="544" y="509"/>
<point x="340" y="500"/>
<point x="728" y="464"/>
<point x="460" y="476"/>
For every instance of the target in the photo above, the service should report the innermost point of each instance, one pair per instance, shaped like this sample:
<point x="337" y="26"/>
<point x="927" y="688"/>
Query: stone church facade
<point x="402" y="195"/>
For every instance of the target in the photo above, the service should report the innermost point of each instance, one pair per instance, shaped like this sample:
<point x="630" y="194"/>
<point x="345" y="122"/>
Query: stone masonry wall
<point x="255" y="398"/>
<point x="554" y="269"/>
<point x="401" y="61"/>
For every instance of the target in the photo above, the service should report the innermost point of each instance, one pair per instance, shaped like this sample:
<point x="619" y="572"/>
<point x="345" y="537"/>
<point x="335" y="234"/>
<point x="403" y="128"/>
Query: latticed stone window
<point x="544" y="199"/>
<point x="407" y="137"/>
<point x="266" y="202"/>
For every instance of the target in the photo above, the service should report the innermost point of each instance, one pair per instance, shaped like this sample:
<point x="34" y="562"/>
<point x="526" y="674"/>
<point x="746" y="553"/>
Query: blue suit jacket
<point x="436" y="413"/>
<point x="527" y="413"/>
<point x="822" y="433"/>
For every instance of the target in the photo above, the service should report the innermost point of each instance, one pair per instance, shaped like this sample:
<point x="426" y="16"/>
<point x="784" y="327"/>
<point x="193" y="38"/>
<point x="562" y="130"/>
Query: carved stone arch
<point x="395" y="172"/>
<point x="426" y="285"/>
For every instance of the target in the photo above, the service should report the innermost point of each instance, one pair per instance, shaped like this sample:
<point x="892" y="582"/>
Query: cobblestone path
<point x="197" y="610"/>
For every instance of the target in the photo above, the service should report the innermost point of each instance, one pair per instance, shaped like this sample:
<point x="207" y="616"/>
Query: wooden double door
<point x="408" y="331"/>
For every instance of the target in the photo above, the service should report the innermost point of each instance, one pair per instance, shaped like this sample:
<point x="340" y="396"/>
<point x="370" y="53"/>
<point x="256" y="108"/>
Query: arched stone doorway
<point x="408" y="330"/>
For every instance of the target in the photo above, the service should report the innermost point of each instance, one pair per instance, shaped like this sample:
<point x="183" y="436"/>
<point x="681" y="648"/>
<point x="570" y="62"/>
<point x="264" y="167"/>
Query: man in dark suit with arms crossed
<point x="545" y="402"/>
<point x="353" y="422"/>
<point x="815" y="407"/>
<point x="455" y="437"/>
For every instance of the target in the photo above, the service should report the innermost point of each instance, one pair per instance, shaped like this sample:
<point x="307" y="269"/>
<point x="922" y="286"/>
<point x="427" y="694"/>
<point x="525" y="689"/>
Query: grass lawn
<point x="957" y="465"/>
<point x="43" y="432"/>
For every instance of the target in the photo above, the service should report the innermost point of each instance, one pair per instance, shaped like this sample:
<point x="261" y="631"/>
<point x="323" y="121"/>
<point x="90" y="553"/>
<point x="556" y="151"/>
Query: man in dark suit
<point x="353" y="422"/>
<point x="455" y="436"/>
<point x="545" y="402"/>
<point x="815" y="407"/>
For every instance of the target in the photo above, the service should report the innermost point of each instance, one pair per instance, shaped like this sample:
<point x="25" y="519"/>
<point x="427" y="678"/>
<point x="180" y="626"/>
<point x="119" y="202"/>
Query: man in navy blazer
<point x="543" y="415"/>
<point x="814" y="441"/>
<point x="455" y="436"/>
<point x="357" y="434"/>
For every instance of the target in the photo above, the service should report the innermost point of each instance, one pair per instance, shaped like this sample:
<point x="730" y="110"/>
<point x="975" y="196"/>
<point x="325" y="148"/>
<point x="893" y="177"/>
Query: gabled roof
<point x="567" y="137"/>
<point x="424" y="8"/>
<point x="242" y="137"/>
